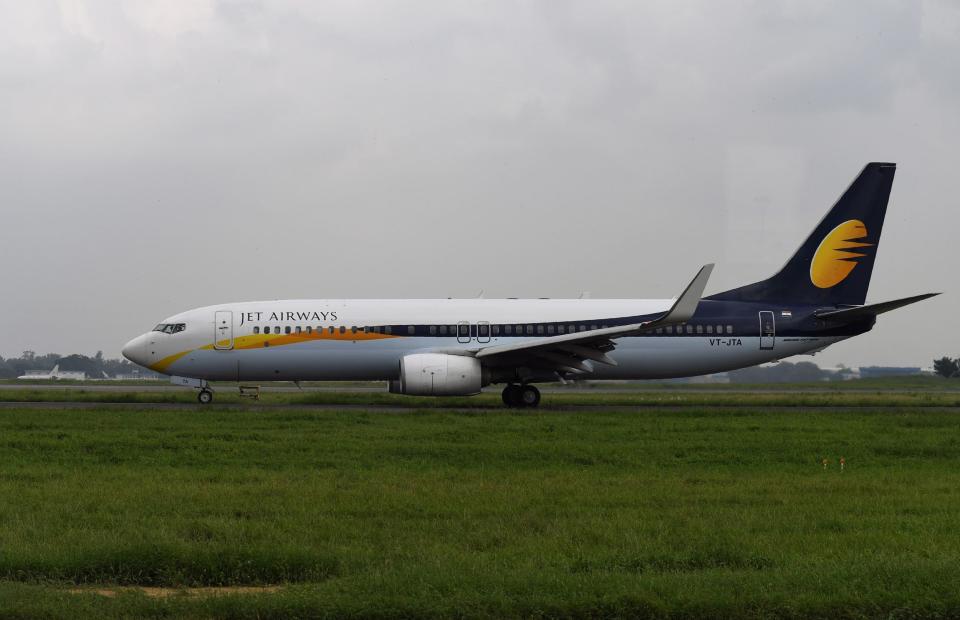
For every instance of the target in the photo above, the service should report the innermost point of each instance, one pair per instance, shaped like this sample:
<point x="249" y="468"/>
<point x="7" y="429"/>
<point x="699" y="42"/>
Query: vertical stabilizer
<point x="834" y="264"/>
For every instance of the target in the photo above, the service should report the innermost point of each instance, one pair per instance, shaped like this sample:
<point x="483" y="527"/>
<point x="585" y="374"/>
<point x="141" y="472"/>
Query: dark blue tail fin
<point x="834" y="264"/>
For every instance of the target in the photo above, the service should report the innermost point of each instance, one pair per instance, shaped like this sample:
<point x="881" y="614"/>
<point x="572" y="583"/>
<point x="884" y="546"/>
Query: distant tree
<point x="783" y="372"/>
<point x="79" y="362"/>
<point x="6" y="370"/>
<point x="946" y="367"/>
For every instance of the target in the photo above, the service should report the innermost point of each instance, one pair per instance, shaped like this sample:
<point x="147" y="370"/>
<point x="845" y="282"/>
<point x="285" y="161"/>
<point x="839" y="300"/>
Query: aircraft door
<point x="768" y="331"/>
<point x="463" y="332"/>
<point x="223" y="330"/>
<point x="483" y="331"/>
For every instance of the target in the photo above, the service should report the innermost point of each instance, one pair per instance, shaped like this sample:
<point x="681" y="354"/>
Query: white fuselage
<point x="366" y="339"/>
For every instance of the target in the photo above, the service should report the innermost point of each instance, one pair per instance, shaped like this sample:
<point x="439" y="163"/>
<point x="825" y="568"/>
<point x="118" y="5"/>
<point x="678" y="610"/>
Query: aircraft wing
<point x="575" y="352"/>
<point x="859" y="312"/>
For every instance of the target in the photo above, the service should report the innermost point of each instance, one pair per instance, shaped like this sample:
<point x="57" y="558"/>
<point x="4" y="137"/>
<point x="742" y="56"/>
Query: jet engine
<point x="438" y="374"/>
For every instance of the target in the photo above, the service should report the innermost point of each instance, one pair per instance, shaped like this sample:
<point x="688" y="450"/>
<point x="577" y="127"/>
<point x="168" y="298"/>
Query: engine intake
<point x="438" y="374"/>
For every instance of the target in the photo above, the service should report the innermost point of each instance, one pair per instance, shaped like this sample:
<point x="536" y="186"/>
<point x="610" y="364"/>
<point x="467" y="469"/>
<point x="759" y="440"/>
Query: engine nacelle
<point x="438" y="374"/>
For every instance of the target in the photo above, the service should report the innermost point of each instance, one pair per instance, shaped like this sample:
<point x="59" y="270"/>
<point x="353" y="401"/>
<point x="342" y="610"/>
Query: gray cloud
<point x="157" y="156"/>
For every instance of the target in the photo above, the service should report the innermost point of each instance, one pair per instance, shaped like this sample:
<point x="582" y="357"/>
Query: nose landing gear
<point x="205" y="396"/>
<point x="521" y="396"/>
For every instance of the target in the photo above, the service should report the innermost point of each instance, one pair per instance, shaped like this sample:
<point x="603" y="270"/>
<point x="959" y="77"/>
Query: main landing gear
<point x="521" y="396"/>
<point x="205" y="396"/>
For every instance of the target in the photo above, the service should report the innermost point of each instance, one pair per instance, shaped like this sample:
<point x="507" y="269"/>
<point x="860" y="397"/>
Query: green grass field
<point x="687" y="511"/>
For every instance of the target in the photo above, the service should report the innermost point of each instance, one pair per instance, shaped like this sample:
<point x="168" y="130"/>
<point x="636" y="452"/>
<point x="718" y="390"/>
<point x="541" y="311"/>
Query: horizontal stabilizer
<point x="870" y="310"/>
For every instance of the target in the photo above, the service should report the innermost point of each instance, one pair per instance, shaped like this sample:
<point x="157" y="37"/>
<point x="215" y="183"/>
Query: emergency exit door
<point x="223" y="330"/>
<point x="768" y="331"/>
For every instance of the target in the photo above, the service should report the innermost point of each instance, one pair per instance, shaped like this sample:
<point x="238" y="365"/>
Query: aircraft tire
<point x="511" y="395"/>
<point x="528" y="396"/>
<point x="205" y="397"/>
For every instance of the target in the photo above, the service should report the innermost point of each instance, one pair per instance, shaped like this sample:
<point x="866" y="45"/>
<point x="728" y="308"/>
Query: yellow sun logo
<point x="834" y="260"/>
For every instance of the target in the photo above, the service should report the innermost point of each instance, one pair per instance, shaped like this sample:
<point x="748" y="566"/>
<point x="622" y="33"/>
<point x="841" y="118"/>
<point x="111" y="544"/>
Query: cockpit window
<point x="170" y="328"/>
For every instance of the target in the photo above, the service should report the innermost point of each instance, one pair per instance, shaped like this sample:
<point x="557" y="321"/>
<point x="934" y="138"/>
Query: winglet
<point x="689" y="299"/>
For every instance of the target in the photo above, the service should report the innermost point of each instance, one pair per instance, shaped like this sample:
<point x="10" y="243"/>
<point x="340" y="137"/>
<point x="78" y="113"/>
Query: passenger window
<point x="699" y="329"/>
<point x="603" y="326"/>
<point x="353" y="329"/>
<point x="550" y="329"/>
<point x="256" y="330"/>
<point x="330" y="330"/>
<point x="669" y="329"/>
<point x="593" y="327"/>
<point x="286" y="329"/>
<point x="709" y="329"/>
<point x="299" y="329"/>
<point x="496" y="330"/>
<point x="583" y="328"/>
<point x="719" y="329"/>
<point x="508" y="329"/>
<point x="433" y="330"/>
<point x="530" y="329"/>
<point x="689" y="329"/>
<point x="540" y="329"/>
<point x="411" y="330"/>
<point x="443" y="330"/>
<point x="559" y="329"/>
<point x="729" y="329"/>
<point x="266" y="329"/>
<point x="309" y="329"/>
<point x="388" y="329"/>
<point x="343" y="329"/>
<point x="659" y="330"/>
<point x="276" y="329"/>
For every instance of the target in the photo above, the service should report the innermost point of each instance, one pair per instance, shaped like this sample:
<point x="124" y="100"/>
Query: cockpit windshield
<point x="170" y="328"/>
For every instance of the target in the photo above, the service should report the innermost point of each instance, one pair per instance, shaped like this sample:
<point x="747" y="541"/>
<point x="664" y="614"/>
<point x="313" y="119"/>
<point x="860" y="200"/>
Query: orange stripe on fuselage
<point x="260" y="341"/>
<point x="255" y="341"/>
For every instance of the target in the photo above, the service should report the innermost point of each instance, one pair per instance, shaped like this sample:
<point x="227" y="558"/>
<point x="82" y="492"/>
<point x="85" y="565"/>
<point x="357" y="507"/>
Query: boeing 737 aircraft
<point x="444" y="347"/>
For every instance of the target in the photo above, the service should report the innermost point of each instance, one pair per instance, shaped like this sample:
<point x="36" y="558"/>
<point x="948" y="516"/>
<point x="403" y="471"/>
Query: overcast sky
<point x="157" y="156"/>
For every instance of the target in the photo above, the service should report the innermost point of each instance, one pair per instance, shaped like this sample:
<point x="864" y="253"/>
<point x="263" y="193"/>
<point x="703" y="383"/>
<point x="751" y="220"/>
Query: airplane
<point x="455" y="347"/>
<point x="54" y="374"/>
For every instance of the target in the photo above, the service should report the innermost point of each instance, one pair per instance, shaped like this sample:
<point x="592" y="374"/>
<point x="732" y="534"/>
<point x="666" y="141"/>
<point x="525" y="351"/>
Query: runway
<point x="380" y="408"/>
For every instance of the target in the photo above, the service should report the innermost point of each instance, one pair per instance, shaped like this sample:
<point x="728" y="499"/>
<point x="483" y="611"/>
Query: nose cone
<point x="135" y="350"/>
